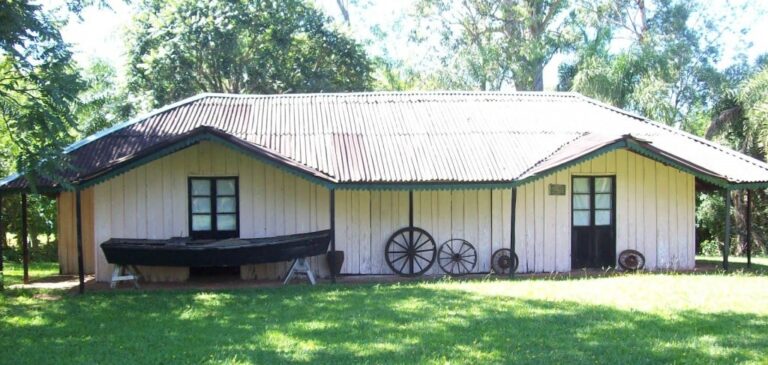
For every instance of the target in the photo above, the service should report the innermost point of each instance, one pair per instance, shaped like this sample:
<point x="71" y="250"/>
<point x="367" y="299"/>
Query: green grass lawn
<point x="630" y="319"/>
<point x="14" y="272"/>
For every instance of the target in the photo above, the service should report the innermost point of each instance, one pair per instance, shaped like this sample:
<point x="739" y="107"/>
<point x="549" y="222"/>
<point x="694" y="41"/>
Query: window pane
<point x="226" y="222"/>
<point x="602" y="217"/>
<point x="580" y="201"/>
<point x="581" y="218"/>
<point x="225" y="187"/>
<point x="201" y="205"/>
<point x="581" y="185"/>
<point x="603" y="201"/>
<point x="201" y="187"/>
<point x="603" y="184"/>
<point x="201" y="222"/>
<point x="225" y="205"/>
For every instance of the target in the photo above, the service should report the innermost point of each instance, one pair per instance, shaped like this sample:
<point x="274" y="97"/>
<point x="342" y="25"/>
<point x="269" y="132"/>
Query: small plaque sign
<point x="556" y="189"/>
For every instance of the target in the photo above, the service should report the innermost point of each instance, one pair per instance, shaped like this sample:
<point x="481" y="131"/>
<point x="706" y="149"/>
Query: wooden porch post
<point x="749" y="228"/>
<point x="512" y="230"/>
<point x="332" y="262"/>
<point x="726" y="242"/>
<point x="79" y="223"/>
<point x="24" y="238"/>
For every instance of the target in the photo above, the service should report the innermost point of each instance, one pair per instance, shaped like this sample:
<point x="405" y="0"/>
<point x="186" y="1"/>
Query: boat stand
<point x="300" y="266"/>
<point x="124" y="273"/>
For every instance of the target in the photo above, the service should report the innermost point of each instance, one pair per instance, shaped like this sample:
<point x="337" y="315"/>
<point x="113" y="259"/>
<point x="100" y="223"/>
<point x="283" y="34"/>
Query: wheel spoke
<point x="403" y="266"/>
<point x="450" y="247"/>
<point x="424" y="258"/>
<point x="399" y="258"/>
<point x="465" y="268"/>
<point x="417" y="240"/>
<point x="421" y="268"/>
<point x="394" y="240"/>
<point x="426" y="250"/>
<point x="405" y="240"/>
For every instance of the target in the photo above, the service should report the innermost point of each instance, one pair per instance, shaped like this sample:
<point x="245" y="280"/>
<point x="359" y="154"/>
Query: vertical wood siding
<point x="654" y="210"/>
<point x="151" y="202"/>
<point x="654" y="213"/>
<point x="66" y="232"/>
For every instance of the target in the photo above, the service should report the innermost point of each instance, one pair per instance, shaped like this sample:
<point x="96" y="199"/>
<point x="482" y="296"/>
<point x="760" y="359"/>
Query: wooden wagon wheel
<point x="457" y="257"/>
<point x="503" y="261"/>
<point x="410" y="251"/>
<point x="631" y="260"/>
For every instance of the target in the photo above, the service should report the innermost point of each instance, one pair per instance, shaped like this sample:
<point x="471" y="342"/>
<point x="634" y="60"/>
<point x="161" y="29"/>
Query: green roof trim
<point x="205" y="135"/>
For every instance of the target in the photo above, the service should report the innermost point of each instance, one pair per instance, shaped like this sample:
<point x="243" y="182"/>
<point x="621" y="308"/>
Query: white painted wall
<point x="655" y="215"/>
<point x="151" y="201"/>
<point x="655" y="211"/>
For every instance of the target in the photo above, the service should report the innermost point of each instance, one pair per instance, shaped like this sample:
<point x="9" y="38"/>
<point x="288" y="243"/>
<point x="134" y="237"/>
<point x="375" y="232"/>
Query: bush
<point x="710" y="248"/>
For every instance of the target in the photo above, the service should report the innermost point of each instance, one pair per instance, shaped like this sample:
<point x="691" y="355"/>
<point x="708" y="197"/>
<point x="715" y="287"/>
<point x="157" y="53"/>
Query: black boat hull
<point x="122" y="251"/>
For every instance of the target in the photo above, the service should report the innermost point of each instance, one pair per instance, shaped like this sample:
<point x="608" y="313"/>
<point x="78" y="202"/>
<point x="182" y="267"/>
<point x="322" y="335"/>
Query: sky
<point x="99" y="33"/>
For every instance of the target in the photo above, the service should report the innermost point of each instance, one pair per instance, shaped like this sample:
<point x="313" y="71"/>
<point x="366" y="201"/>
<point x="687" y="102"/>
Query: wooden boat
<point x="228" y="252"/>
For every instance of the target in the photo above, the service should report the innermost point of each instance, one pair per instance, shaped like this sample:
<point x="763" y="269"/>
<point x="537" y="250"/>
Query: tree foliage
<point x="180" y="48"/>
<point x="489" y="44"/>
<point x="666" y="70"/>
<point x="38" y="86"/>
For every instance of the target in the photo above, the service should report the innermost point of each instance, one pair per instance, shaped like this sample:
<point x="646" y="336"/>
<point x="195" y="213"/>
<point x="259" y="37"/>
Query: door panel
<point x="593" y="238"/>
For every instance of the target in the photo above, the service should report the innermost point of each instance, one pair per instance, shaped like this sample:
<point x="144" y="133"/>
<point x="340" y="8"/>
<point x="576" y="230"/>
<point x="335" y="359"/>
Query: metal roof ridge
<point x="693" y="137"/>
<point x="396" y="93"/>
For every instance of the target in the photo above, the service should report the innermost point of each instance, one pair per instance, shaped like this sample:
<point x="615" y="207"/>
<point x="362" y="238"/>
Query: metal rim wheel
<point x="410" y="251"/>
<point x="457" y="257"/>
<point x="503" y="261"/>
<point x="631" y="260"/>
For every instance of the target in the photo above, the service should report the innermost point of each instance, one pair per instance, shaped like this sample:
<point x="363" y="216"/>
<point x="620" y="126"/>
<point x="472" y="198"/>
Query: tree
<point x="664" y="72"/>
<point x="38" y="86"/>
<point x="103" y="103"/>
<point x="490" y="44"/>
<point x="177" y="49"/>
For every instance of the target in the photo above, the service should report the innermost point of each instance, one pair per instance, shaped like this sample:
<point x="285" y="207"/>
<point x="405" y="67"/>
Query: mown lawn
<point x="630" y="319"/>
<point x="14" y="272"/>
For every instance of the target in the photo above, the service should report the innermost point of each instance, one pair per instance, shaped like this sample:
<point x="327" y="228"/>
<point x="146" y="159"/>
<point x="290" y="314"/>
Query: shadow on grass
<point x="363" y="324"/>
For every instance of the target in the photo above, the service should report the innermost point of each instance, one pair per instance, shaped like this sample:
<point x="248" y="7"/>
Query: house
<point x="565" y="181"/>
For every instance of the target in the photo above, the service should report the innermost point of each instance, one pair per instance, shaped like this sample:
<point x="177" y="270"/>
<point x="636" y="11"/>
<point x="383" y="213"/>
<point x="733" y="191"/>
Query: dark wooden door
<point x="593" y="222"/>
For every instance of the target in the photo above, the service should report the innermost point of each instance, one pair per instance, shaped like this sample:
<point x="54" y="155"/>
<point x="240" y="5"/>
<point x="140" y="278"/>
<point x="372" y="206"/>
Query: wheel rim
<point x="631" y="260"/>
<point x="457" y="257"/>
<point x="503" y="261"/>
<point x="410" y="251"/>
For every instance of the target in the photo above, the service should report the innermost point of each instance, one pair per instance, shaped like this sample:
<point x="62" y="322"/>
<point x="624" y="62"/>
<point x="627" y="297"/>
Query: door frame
<point x="612" y="226"/>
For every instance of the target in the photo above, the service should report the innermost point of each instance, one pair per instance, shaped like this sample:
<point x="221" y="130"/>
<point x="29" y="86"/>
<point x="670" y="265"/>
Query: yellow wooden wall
<point x="66" y="233"/>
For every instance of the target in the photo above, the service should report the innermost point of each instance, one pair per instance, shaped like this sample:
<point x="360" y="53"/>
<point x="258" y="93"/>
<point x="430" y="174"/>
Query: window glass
<point x="602" y="217"/>
<point x="201" y="222"/>
<point x="201" y="205"/>
<point x="580" y="217"/>
<point x="603" y="201"/>
<point x="581" y="185"/>
<point x="226" y="222"/>
<point x="225" y="205"/>
<point x="603" y="185"/>
<point x="581" y="201"/>
<point x="201" y="187"/>
<point x="225" y="187"/>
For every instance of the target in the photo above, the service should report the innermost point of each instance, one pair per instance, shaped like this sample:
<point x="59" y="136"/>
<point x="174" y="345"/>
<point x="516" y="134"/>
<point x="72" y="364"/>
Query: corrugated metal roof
<point x="408" y="137"/>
